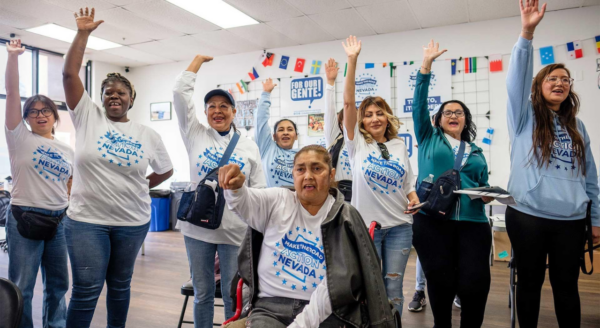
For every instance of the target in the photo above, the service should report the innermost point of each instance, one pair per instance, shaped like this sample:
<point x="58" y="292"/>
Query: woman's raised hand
<point x="231" y="177"/>
<point x="14" y="47"/>
<point x="531" y="15"/>
<point x="268" y="85"/>
<point x="352" y="46"/>
<point x="85" y="20"/>
<point x="432" y="51"/>
<point x="331" y="70"/>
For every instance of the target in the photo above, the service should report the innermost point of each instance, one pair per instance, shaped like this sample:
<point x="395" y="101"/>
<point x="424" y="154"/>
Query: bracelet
<point x="423" y="67"/>
<point x="527" y="32"/>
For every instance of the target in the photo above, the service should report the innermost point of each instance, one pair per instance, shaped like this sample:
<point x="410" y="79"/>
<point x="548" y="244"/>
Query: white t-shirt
<point x="292" y="261"/>
<point x="455" y="143"/>
<point x="205" y="147"/>
<point x="111" y="161"/>
<point x="380" y="187"/>
<point x="40" y="169"/>
<point x="343" y="169"/>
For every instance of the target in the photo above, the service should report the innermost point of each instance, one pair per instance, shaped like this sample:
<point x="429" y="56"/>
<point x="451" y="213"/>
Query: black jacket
<point x="354" y="278"/>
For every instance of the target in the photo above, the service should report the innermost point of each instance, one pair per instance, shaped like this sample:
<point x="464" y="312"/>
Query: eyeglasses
<point x="564" y="80"/>
<point x="384" y="151"/>
<point x="449" y="113"/>
<point x="33" y="113"/>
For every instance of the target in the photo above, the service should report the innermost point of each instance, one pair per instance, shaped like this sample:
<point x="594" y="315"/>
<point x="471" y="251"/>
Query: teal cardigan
<point x="436" y="156"/>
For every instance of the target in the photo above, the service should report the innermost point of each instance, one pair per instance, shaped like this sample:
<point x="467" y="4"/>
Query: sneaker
<point x="418" y="302"/>
<point x="188" y="284"/>
<point x="457" y="302"/>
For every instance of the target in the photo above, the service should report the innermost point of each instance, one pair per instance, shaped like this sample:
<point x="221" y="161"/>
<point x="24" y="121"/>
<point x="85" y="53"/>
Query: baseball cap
<point x="219" y="92"/>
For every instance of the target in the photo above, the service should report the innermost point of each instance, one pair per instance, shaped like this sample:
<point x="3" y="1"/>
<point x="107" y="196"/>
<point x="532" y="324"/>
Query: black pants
<point x="534" y="240"/>
<point x="455" y="257"/>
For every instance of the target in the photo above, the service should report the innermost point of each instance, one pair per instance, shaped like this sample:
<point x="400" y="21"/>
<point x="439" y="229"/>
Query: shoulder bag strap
<point x="335" y="149"/>
<point x="229" y="150"/>
<point x="459" y="157"/>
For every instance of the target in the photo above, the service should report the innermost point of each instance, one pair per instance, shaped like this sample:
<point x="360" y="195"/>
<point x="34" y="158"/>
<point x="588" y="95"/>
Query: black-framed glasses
<point x="449" y="113"/>
<point x="33" y="113"/>
<point x="384" y="151"/>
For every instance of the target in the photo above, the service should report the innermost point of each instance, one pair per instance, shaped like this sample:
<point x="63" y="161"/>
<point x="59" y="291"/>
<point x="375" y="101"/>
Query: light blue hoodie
<point x="555" y="191"/>
<point x="277" y="162"/>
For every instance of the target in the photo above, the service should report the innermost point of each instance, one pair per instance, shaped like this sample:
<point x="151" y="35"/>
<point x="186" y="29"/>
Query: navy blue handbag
<point x="204" y="206"/>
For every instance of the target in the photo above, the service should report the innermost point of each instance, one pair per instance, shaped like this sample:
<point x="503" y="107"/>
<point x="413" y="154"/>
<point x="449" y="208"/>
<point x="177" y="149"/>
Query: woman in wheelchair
<point x="308" y="259"/>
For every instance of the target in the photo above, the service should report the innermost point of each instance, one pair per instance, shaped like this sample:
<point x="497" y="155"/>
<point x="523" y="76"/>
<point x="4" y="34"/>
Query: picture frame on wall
<point x="160" y="111"/>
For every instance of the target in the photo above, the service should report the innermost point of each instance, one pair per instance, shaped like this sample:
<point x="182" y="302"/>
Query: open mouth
<point x="309" y="187"/>
<point x="114" y="105"/>
<point x="285" y="138"/>
<point x="453" y="124"/>
<point x="558" y="91"/>
<point x="218" y="119"/>
<point x="42" y="122"/>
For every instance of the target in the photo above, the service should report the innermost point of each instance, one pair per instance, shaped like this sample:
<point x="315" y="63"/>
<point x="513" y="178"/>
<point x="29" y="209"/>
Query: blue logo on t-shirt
<point x="344" y="161"/>
<point x="383" y="175"/>
<point x="51" y="164"/>
<point x="281" y="170"/>
<point x="210" y="158"/>
<point x="562" y="157"/>
<point x="120" y="149"/>
<point x="300" y="260"/>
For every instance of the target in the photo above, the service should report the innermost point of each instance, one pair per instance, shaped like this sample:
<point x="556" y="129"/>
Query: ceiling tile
<point x="591" y="2"/>
<point x="432" y="13"/>
<point x="171" y="16"/>
<point x="480" y="10"/>
<point x="358" y="3"/>
<point x="310" y="7"/>
<point x="265" y="10"/>
<point x="180" y="48"/>
<point x="123" y="2"/>
<point x="223" y="39"/>
<point x="18" y="20"/>
<point x="41" y="11"/>
<point x="128" y="21"/>
<point x="301" y="29"/>
<point x="263" y="35"/>
<point x="561" y="4"/>
<point x="137" y="55"/>
<point x="113" y="59"/>
<point x="389" y="17"/>
<point x="343" y="23"/>
<point x="75" y="5"/>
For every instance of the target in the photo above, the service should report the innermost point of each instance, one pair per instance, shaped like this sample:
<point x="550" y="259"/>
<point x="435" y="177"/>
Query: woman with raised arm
<point x="334" y="138"/>
<point x="383" y="184"/>
<point x="39" y="188"/>
<point x="109" y="212"/>
<point x="552" y="178"/>
<point x="277" y="152"/>
<point x="205" y="146"/>
<point x="454" y="251"/>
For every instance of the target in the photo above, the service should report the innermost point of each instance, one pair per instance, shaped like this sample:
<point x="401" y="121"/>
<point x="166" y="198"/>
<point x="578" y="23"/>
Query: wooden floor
<point x="156" y="300"/>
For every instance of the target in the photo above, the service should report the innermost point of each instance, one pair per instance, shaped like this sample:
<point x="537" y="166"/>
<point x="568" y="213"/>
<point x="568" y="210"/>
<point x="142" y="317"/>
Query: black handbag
<point x="440" y="195"/>
<point x="204" y="206"/>
<point x="36" y="226"/>
<point x="344" y="186"/>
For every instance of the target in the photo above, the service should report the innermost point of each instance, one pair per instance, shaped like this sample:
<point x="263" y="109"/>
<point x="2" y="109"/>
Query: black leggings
<point x="455" y="257"/>
<point x="534" y="240"/>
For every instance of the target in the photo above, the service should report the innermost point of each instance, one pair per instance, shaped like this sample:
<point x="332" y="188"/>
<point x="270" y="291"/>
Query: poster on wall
<point x="374" y="81"/>
<point x="315" y="125"/>
<point x="440" y="87"/>
<point x="413" y="152"/>
<point x="302" y="96"/>
<point x="244" y="116"/>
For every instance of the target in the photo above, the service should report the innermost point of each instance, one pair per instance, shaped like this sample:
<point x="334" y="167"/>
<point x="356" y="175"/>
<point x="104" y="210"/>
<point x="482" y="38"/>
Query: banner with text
<point x="374" y="81"/>
<point x="301" y="96"/>
<point x="440" y="87"/>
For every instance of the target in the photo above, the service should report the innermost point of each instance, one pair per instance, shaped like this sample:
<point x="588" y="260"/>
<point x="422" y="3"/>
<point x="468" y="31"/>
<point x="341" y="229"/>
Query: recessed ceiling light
<point x="67" y="35"/>
<point x="216" y="11"/>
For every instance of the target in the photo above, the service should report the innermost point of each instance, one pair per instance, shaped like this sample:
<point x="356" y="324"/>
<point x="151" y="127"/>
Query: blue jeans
<point x="421" y="281"/>
<point x="393" y="247"/>
<point x="25" y="257"/>
<point x="100" y="253"/>
<point x="201" y="256"/>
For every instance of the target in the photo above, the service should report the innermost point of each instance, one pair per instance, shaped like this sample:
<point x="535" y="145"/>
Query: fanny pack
<point x="440" y="195"/>
<point x="204" y="206"/>
<point x="36" y="226"/>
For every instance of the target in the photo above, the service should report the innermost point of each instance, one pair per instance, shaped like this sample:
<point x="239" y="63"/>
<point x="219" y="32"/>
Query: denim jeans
<point x="280" y="312"/>
<point x="393" y="247"/>
<point x="25" y="256"/>
<point x="201" y="256"/>
<point x="421" y="281"/>
<point x="101" y="253"/>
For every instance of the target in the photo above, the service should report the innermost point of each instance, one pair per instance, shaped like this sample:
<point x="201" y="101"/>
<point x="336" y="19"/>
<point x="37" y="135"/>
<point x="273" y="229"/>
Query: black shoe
<point x="457" y="302"/>
<point x="418" y="302"/>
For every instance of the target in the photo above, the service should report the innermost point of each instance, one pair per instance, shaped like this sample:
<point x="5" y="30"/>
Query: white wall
<point x="154" y="83"/>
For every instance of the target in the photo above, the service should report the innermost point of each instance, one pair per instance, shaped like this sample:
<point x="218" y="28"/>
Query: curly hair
<point x="116" y="77"/>
<point x="469" y="132"/>
<point x="391" y="132"/>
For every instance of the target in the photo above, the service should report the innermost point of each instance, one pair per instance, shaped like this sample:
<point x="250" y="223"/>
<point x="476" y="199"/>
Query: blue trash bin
<point x="161" y="209"/>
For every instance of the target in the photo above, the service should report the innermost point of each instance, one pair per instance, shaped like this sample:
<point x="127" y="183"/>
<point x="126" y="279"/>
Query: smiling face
<point x="453" y="125"/>
<point x="312" y="177"/>
<point x="219" y="113"/>
<point x="39" y="123"/>
<point x="375" y="121"/>
<point x="555" y="92"/>
<point x="285" y="135"/>
<point x="116" y="98"/>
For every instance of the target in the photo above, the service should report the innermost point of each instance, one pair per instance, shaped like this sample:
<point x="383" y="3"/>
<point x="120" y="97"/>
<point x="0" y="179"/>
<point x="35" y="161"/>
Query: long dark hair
<point x="469" y="132"/>
<point x="543" y="133"/>
<point x="31" y="101"/>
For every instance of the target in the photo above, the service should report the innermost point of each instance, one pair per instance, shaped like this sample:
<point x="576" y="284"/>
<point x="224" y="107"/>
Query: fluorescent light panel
<point x="67" y="35"/>
<point x="216" y="11"/>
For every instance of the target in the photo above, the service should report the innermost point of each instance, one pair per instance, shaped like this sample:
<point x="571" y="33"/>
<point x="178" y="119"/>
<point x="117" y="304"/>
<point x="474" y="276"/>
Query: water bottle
<point x="429" y="179"/>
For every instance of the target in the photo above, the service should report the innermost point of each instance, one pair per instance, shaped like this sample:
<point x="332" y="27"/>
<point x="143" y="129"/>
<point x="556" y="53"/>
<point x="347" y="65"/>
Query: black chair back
<point x="11" y="304"/>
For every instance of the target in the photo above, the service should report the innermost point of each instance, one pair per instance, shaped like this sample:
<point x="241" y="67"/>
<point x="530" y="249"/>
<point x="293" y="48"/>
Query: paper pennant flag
<point x="268" y="59"/>
<point x="239" y="88"/>
<point x="391" y="69"/>
<point x="489" y="135"/>
<point x="470" y="65"/>
<point x="345" y="69"/>
<point x="574" y="50"/>
<point x="409" y="62"/>
<point x="244" y="85"/>
<point x="384" y="64"/>
<point x="453" y="64"/>
<point x="315" y="68"/>
<point x="598" y="43"/>
<point x="253" y="75"/>
<point x="299" y="65"/>
<point x="369" y="65"/>
<point x="547" y="55"/>
<point x="283" y="64"/>
<point x="496" y="63"/>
